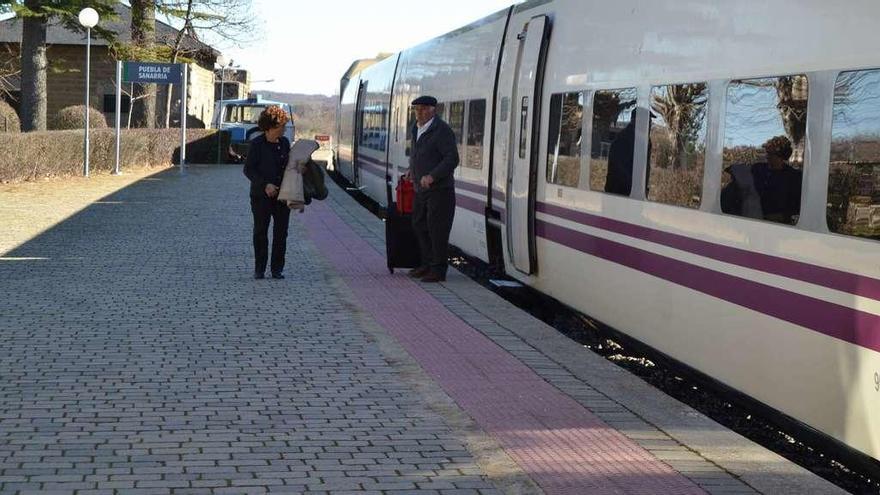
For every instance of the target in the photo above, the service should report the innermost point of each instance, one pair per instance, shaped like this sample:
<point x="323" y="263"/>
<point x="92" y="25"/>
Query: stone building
<point x="65" y="80"/>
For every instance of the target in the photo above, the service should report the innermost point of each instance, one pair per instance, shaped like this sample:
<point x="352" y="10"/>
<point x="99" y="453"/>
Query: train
<point x="703" y="177"/>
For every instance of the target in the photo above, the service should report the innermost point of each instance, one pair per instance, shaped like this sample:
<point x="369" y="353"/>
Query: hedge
<point x="9" y="121"/>
<point x="25" y="156"/>
<point x="74" y="116"/>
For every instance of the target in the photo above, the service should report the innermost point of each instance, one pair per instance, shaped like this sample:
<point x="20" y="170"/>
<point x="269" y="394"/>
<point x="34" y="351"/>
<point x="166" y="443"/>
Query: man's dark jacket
<point x="435" y="153"/>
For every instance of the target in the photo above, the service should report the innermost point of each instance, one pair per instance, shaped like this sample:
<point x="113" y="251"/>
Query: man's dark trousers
<point x="264" y="209"/>
<point x="433" y="212"/>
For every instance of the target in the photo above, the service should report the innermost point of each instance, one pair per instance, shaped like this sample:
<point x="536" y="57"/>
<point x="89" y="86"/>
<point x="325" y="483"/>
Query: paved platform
<point x="138" y="356"/>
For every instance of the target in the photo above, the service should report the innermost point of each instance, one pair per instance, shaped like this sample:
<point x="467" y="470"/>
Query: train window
<point x="456" y="119"/>
<point x="613" y="140"/>
<point x="473" y="156"/>
<point x="854" y="174"/>
<point x="564" y="139"/>
<point x="410" y="125"/>
<point x="765" y="125"/>
<point x="677" y="144"/>
<point x="440" y="111"/>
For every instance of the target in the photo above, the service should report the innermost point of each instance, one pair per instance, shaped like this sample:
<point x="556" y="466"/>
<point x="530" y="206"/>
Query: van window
<point x="765" y="125"/>
<point x="854" y="173"/>
<point x="564" y="139"/>
<point x="677" y="144"/>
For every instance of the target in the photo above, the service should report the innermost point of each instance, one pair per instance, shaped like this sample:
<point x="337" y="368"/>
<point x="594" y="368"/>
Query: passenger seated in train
<point x="618" y="179"/>
<point x="768" y="190"/>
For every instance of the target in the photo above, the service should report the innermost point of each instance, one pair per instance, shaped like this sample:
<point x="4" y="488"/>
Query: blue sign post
<point x="151" y="73"/>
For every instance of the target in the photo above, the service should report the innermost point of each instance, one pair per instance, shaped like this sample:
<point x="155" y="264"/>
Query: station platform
<point x="139" y="356"/>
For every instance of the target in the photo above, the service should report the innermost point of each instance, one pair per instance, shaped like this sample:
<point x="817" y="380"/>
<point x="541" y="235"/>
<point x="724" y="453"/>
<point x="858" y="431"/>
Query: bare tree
<point x="228" y="20"/>
<point x="9" y="70"/>
<point x="791" y="92"/>
<point x="682" y="107"/>
<point x="143" y="38"/>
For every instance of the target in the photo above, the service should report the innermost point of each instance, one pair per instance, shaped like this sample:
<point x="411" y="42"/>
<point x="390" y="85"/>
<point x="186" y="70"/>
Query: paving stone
<point x="138" y="351"/>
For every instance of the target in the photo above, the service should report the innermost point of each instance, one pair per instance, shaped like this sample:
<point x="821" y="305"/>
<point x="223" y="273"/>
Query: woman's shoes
<point x="275" y="275"/>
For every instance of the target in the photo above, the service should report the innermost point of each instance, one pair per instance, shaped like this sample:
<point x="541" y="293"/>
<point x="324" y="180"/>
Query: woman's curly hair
<point x="779" y="146"/>
<point x="272" y="117"/>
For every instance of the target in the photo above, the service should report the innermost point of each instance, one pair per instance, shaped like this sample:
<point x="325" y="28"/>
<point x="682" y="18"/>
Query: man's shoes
<point x="278" y="276"/>
<point x="433" y="277"/>
<point x="259" y="275"/>
<point x="419" y="272"/>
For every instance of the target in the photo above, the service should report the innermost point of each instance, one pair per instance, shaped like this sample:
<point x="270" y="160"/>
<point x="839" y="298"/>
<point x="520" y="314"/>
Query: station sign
<point x="151" y="72"/>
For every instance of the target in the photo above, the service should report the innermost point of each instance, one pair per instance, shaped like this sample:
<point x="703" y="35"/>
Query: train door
<point x="358" y="132"/>
<point x="523" y="149"/>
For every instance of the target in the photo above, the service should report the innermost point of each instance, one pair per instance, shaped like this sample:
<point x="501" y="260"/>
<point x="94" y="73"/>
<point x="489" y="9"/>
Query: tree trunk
<point x="143" y="35"/>
<point x="175" y="52"/>
<point x="33" y="71"/>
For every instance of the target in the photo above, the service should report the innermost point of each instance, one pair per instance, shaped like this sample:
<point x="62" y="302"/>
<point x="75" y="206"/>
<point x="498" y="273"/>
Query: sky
<point x="307" y="46"/>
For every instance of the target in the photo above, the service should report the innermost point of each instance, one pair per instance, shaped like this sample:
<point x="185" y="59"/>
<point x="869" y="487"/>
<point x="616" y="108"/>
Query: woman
<point x="266" y="159"/>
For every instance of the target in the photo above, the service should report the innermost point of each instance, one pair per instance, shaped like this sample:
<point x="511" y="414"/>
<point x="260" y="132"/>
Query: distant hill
<point x="313" y="114"/>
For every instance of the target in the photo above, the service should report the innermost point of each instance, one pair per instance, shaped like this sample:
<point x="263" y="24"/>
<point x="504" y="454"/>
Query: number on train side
<point x="877" y="381"/>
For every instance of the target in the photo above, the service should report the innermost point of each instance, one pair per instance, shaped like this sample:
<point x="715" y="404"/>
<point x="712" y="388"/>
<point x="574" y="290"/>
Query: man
<point x="432" y="161"/>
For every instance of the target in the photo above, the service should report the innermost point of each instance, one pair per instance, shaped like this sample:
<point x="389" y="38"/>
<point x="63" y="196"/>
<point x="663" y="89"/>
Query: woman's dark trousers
<point x="265" y="209"/>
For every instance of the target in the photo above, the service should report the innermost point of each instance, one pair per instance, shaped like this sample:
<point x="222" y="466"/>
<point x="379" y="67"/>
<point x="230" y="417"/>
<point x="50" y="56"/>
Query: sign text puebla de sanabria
<point x="149" y="72"/>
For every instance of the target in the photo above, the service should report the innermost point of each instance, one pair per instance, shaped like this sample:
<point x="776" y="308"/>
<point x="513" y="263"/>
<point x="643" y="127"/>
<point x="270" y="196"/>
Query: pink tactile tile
<point x="561" y="445"/>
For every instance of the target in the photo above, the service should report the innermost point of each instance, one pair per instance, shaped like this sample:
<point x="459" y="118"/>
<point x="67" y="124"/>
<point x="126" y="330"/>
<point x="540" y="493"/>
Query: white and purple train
<point x="776" y="292"/>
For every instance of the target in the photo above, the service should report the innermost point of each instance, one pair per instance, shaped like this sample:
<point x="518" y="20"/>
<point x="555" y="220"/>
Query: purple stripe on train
<point x="805" y="272"/>
<point x="834" y="320"/>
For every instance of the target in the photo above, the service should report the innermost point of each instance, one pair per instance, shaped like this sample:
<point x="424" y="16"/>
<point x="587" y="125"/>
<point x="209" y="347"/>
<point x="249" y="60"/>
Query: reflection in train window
<point x="440" y="111"/>
<point x="764" y="133"/>
<point x="613" y="140"/>
<point x="410" y="129"/>
<point x="456" y="119"/>
<point x="473" y="155"/>
<point x="854" y="175"/>
<point x="564" y="139"/>
<point x="677" y="144"/>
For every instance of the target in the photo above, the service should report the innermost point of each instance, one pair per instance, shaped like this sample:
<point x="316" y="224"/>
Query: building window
<point x="854" y="172"/>
<point x="677" y="144"/>
<point x="613" y="140"/>
<point x="110" y="103"/>
<point x="764" y="133"/>
<point x="564" y="139"/>
<point x="473" y="155"/>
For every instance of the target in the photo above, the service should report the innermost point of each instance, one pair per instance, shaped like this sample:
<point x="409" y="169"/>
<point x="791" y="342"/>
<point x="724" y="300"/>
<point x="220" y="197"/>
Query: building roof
<point x="57" y="34"/>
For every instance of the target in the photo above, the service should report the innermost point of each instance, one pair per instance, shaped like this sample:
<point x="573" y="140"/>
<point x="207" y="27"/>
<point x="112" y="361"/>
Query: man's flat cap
<point x="425" y="100"/>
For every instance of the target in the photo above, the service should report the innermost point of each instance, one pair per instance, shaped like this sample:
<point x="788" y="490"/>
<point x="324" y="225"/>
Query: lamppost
<point x="221" y="61"/>
<point x="88" y="17"/>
